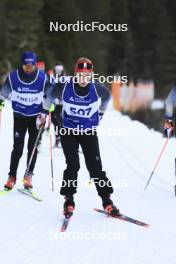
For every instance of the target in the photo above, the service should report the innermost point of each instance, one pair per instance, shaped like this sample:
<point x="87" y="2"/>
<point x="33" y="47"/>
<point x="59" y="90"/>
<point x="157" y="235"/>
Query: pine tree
<point x="23" y="25"/>
<point x="3" y="30"/>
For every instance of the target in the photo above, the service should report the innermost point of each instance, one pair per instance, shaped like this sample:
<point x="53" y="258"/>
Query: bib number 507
<point x="80" y="111"/>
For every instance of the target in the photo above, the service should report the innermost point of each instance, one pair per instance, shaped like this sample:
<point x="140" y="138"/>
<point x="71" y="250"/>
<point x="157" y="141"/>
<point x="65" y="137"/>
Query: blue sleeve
<point x="104" y="94"/>
<point x="6" y="89"/>
<point x="170" y="103"/>
<point x="51" y="92"/>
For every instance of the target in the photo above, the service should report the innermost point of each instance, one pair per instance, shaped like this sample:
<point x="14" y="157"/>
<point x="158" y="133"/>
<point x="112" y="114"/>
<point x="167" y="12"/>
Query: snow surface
<point x="29" y="230"/>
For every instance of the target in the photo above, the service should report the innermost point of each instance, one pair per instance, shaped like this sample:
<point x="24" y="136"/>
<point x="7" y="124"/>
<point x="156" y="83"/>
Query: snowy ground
<point x="29" y="229"/>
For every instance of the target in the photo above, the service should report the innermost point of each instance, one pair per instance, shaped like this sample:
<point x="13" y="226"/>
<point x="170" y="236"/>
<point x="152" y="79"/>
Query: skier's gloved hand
<point x="101" y="115"/>
<point x="2" y="104"/>
<point x="52" y="108"/>
<point x="168" y="128"/>
<point x="41" y="120"/>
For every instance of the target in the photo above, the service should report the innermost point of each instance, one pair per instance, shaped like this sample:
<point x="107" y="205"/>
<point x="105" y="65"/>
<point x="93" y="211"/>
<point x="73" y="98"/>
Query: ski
<point x="30" y="193"/>
<point x="24" y="191"/>
<point x="123" y="217"/>
<point x="65" y="223"/>
<point x="4" y="192"/>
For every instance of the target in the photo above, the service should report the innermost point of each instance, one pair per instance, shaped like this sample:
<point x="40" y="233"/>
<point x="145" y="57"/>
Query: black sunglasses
<point x="85" y="65"/>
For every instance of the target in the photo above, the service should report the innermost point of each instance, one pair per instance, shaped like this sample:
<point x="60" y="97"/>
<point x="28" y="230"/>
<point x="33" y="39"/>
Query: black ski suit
<point x="90" y="147"/>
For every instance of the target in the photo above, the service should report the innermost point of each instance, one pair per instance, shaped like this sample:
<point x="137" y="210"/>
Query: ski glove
<point x="52" y="108"/>
<point x="41" y="120"/>
<point x="101" y="115"/>
<point x="168" y="128"/>
<point x="2" y="104"/>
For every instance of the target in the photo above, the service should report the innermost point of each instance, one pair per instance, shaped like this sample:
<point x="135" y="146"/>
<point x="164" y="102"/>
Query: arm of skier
<point x="170" y="104"/>
<point x="5" y="93"/>
<point x="104" y="96"/>
<point x="6" y="90"/>
<point x="51" y="93"/>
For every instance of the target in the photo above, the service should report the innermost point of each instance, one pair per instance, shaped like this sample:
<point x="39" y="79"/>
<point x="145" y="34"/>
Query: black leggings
<point x="90" y="148"/>
<point x="21" y="126"/>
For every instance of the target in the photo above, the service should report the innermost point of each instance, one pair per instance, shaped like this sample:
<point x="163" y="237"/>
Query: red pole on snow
<point x="156" y="164"/>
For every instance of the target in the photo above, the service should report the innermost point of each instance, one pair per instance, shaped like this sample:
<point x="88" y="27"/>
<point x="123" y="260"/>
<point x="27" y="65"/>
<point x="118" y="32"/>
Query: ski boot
<point x="10" y="183"/>
<point x="109" y="207"/>
<point x="69" y="206"/>
<point x="27" y="181"/>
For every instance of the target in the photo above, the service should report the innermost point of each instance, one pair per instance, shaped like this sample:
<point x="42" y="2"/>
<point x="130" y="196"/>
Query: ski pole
<point x="51" y="152"/>
<point x="156" y="164"/>
<point x="34" y="149"/>
<point x="0" y="119"/>
<point x="1" y="107"/>
<point x="174" y="125"/>
<point x="175" y="178"/>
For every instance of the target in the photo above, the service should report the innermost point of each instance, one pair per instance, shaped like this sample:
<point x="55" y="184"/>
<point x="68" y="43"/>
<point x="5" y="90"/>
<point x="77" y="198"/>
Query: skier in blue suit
<point x="82" y="111"/>
<point x="28" y="89"/>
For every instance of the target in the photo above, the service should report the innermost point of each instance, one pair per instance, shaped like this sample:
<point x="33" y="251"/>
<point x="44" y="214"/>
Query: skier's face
<point x="59" y="70"/>
<point x="28" y="68"/>
<point x="83" y="78"/>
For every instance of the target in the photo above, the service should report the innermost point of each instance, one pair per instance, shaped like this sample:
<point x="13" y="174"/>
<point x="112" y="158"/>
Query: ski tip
<point x="146" y="225"/>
